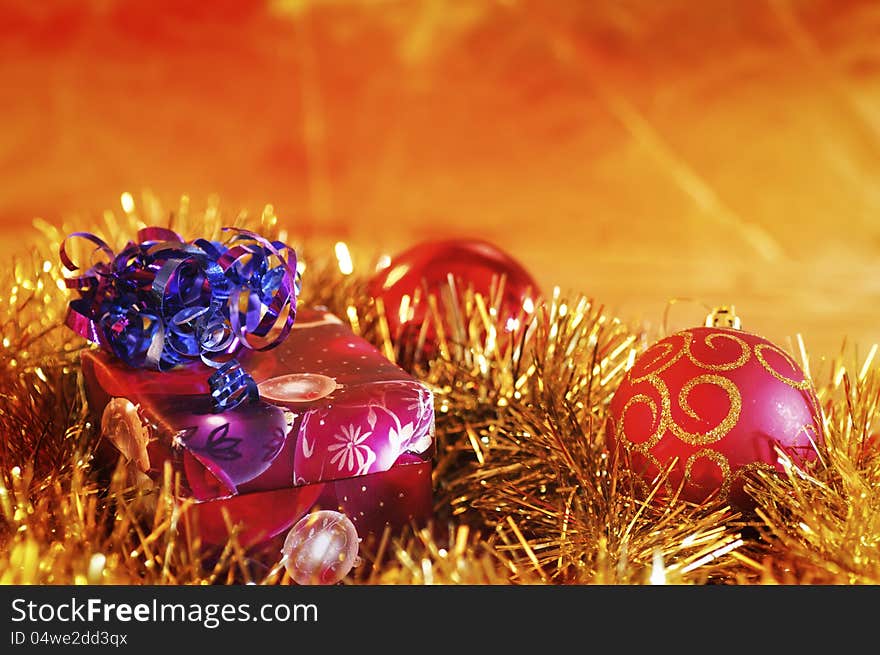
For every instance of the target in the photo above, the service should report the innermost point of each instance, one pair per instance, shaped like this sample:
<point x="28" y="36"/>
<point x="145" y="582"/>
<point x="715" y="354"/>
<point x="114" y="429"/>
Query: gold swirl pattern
<point x="759" y="355"/>
<point x="717" y="458"/>
<point x="662" y="424"/>
<point x="668" y="347"/>
<point x="726" y="425"/>
<point x="723" y="361"/>
<point x="745" y="352"/>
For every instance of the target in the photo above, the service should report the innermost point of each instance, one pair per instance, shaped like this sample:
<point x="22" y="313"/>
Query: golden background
<point x="633" y="151"/>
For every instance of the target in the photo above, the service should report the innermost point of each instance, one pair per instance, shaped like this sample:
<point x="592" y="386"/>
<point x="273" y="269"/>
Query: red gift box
<point x="337" y="426"/>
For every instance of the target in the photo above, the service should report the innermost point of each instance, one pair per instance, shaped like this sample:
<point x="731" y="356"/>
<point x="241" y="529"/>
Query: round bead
<point x="321" y="548"/>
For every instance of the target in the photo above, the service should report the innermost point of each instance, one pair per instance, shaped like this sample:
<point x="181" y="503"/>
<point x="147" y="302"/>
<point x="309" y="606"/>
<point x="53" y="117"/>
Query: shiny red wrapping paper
<point x="337" y="426"/>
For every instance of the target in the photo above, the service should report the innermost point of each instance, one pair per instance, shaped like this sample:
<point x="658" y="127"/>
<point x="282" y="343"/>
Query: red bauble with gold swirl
<point x="719" y="401"/>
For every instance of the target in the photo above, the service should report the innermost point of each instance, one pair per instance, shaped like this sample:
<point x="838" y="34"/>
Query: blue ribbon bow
<point x="162" y="302"/>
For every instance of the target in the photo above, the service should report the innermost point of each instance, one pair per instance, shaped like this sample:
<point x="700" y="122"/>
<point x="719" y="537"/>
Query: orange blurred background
<point x="635" y="151"/>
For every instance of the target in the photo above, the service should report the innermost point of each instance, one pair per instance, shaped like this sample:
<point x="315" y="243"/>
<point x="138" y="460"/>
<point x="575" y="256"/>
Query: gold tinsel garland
<point x="525" y="490"/>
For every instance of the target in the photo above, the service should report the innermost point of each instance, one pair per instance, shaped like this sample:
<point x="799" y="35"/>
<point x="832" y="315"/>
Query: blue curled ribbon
<point x="162" y="302"/>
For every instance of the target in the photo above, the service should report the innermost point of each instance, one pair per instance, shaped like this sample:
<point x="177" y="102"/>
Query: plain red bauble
<point x="719" y="400"/>
<point x="472" y="263"/>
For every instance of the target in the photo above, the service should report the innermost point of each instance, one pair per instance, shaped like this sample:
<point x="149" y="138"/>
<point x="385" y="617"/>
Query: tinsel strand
<point x="526" y="491"/>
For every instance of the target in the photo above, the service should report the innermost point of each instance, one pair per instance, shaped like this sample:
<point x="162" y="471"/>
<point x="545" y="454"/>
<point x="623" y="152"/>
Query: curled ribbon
<point x="163" y="301"/>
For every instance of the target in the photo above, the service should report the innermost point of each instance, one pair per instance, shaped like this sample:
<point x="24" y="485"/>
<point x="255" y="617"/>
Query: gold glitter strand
<point x="526" y="491"/>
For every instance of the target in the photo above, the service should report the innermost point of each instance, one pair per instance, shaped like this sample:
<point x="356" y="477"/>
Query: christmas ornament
<point x="430" y="267"/>
<point x="321" y="548"/>
<point x="718" y="401"/>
